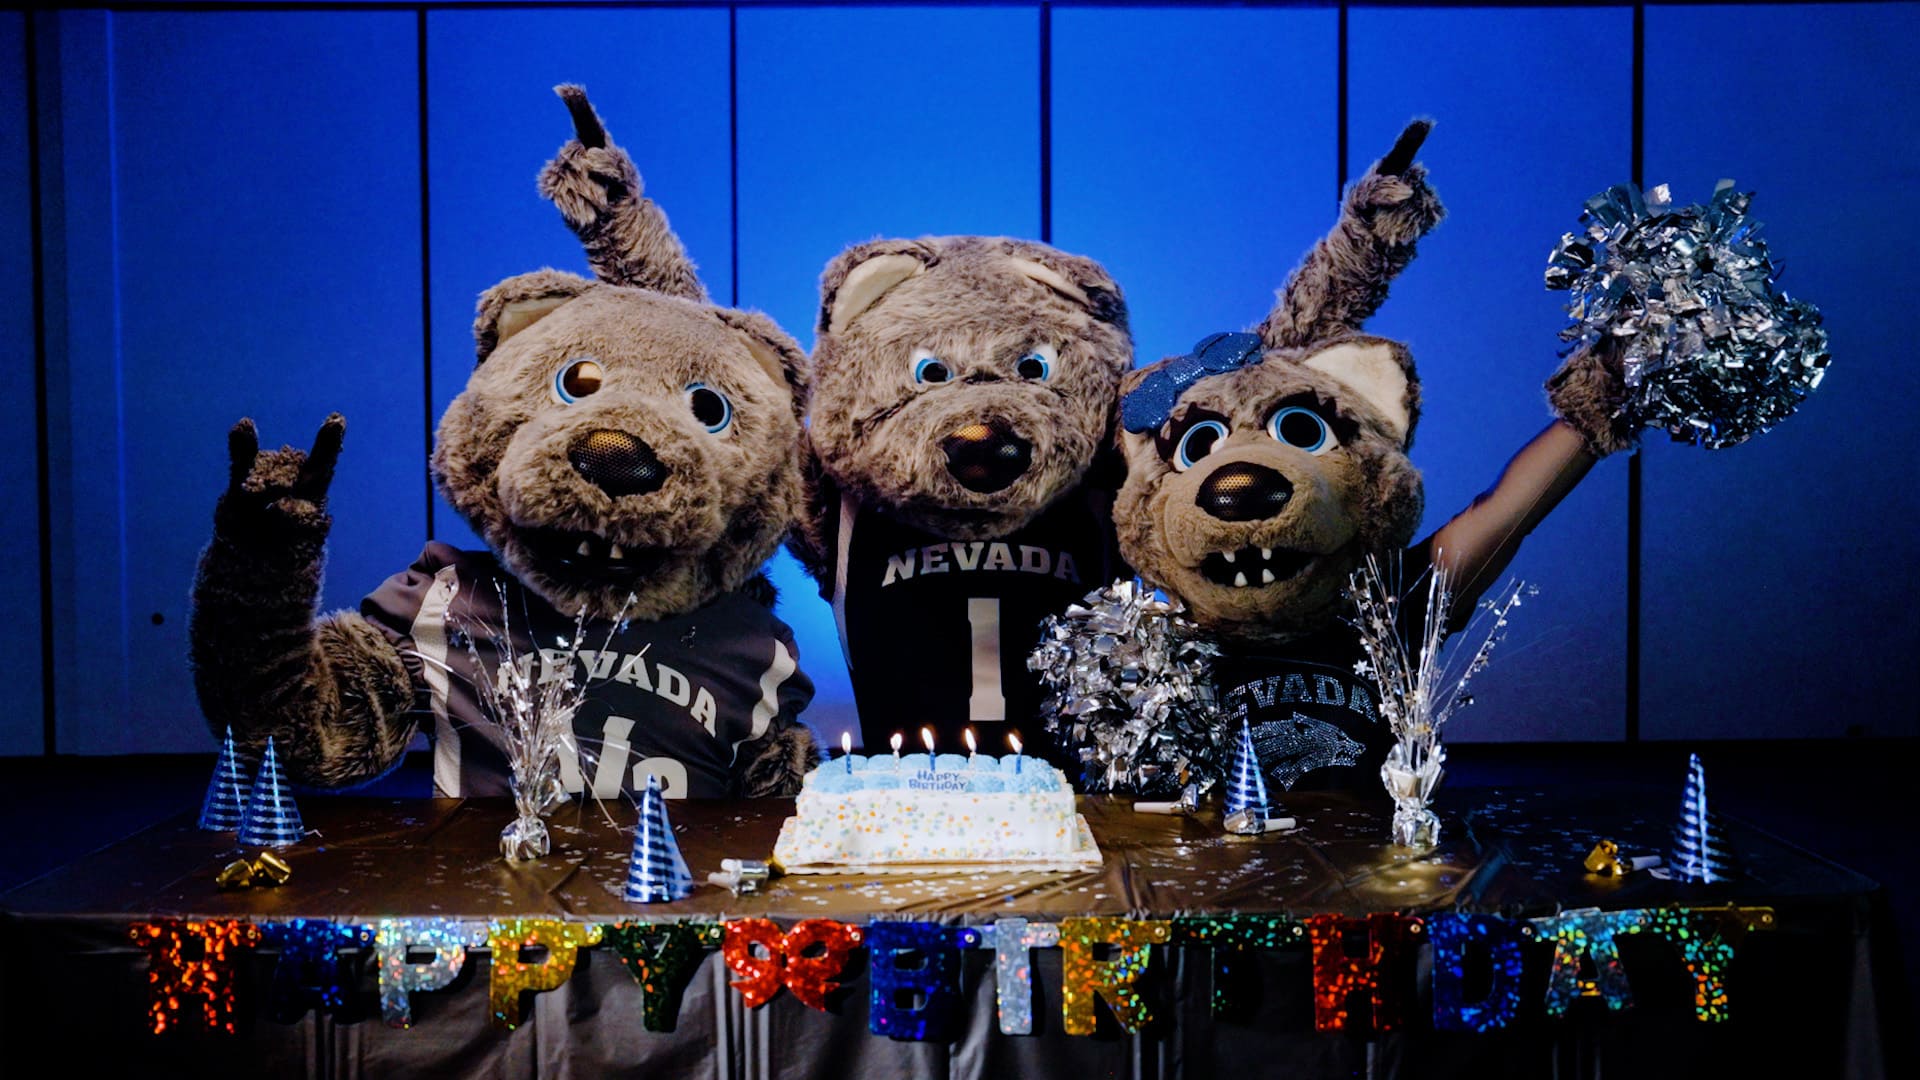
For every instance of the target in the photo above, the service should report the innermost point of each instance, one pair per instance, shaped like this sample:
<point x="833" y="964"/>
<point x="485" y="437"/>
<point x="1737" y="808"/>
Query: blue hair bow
<point x="1148" y="405"/>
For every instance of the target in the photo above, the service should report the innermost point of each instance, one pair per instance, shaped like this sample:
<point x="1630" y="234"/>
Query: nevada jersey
<point x="674" y="698"/>
<point x="937" y="631"/>
<point x="1316" y="725"/>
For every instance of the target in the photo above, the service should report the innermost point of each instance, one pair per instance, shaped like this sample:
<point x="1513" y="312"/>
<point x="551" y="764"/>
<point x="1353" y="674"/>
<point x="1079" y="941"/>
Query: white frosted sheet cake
<point x="888" y="814"/>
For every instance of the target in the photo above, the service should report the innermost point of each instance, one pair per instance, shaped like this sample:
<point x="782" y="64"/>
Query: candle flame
<point x="846" y="742"/>
<point x="967" y="737"/>
<point x="1013" y="740"/>
<point x="896" y="741"/>
<point x="926" y="738"/>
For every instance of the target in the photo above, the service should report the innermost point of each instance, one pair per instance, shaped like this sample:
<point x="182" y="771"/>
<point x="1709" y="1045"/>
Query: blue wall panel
<point x="21" y="702"/>
<point x="1517" y="148"/>
<point x="659" y="79"/>
<point x="864" y="123"/>
<point x="265" y="215"/>
<point x="1197" y="183"/>
<point x="838" y="146"/>
<point x="1776" y="602"/>
<point x="232" y="208"/>
<point x="83" y="318"/>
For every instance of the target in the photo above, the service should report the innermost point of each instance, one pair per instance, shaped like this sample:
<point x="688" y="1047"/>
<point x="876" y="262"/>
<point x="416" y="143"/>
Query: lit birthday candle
<point x="967" y="736"/>
<point x="926" y="740"/>
<point x="846" y="749"/>
<point x="897" y="740"/>
<point x="1013" y="740"/>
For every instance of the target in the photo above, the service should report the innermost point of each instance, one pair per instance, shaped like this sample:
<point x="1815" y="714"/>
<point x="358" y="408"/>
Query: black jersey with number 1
<point x="937" y="631"/>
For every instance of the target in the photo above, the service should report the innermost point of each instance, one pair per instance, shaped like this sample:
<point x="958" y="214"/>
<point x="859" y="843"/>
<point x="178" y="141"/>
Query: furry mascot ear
<point x="1381" y="373"/>
<point x="1079" y="280"/>
<point x="519" y="302"/>
<point x="861" y="276"/>
<point x="776" y="353"/>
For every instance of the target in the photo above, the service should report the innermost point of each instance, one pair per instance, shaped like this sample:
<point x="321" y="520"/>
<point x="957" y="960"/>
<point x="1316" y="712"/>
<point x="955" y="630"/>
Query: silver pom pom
<point x="1130" y="693"/>
<point x="1714" y="352"/>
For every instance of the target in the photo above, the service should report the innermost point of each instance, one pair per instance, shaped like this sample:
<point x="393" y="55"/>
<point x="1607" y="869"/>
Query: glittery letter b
<point x="915" y="1002"/>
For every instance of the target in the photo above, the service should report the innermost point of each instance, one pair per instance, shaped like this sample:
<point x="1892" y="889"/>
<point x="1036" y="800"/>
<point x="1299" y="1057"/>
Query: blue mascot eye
<point x="576" y="379"/>
<point x="1197" y="443"/>
<point x="1035" y="366"/>
<point x="929" y="369"/>
<point x="710" y="407"/>
<point x="1302" y="428"/>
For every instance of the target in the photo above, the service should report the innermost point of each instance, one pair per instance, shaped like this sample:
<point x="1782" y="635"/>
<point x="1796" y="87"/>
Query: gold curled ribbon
<point x="1606" y="859"/>
<point x="267" y="870"/>
<point x="237" y="874"/>
<point x="273" y="868"/>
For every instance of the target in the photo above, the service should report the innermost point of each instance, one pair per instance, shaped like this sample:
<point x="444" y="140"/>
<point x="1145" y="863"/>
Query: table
<point x="1803" y="994"/>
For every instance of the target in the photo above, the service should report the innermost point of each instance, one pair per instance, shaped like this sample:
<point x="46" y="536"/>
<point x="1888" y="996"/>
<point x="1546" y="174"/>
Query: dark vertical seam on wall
<point x="426" y="262"/>
<point x="1340" y="107"/>
<point x="733" y="151"/>
<point x="42" y="430"/>
<point x="109" y="61"/>
<point x="1046" y="123"/>
<point x="1634" y="516"/>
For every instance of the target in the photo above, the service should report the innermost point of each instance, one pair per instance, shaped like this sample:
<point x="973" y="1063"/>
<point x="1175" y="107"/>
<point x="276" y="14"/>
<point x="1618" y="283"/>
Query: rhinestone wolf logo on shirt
<point x="1296" y="746"/>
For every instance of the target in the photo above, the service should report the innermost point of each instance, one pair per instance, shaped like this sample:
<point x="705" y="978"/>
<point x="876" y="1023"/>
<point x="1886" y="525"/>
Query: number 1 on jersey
<point x="986" y="703"/>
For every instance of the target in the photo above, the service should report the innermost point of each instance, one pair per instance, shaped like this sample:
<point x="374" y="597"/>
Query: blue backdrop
<point x="283" y="213"/>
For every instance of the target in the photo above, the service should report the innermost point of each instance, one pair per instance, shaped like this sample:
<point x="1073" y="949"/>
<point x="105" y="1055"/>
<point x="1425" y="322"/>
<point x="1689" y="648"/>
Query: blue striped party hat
<point x="656" y="873"/>
<point x="226" y="799"/>
<point x="271" y="819"/>
<point x="1246" y="787"/>
<point x="1698" y="854"/>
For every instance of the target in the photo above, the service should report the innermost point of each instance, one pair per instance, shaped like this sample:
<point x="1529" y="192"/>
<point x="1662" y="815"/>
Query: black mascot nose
<point x="986" y="455"/>
<point x="617" y="463"/>
<point x="1243" y="491"/>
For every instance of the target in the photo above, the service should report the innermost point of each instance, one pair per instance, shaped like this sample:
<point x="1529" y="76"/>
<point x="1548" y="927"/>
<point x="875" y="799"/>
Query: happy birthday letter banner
<point x="1364" y="967"/>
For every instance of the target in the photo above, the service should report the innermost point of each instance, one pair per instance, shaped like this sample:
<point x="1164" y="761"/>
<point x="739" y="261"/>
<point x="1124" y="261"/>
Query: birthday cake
<point x="890" y="814"/>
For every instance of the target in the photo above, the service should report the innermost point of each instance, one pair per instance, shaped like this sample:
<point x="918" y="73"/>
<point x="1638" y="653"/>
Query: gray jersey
<point x="674" y="698"/>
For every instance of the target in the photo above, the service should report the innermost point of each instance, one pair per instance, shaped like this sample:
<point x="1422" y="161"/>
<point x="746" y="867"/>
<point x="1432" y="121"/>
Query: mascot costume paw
<point x="628" y="450"/>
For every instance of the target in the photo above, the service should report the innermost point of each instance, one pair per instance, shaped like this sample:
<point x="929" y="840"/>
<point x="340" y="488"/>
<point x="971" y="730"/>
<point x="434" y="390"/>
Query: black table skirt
<point x="1804" y="998"/>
